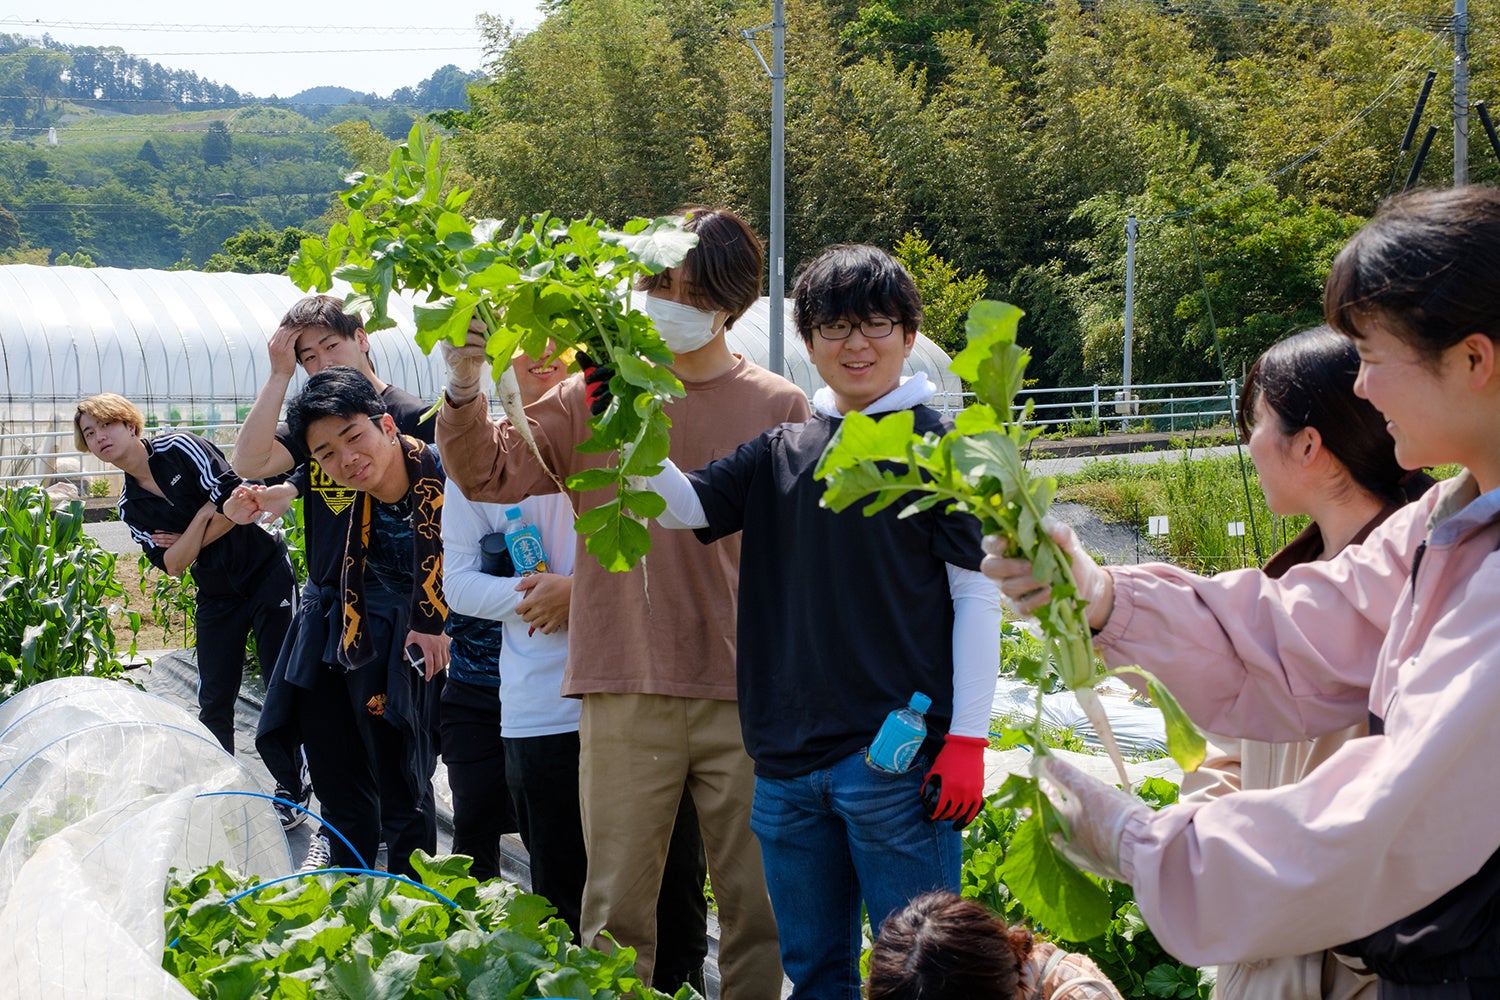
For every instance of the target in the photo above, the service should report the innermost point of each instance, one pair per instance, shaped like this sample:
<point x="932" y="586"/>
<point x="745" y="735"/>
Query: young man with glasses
<point x="842" y="618"/>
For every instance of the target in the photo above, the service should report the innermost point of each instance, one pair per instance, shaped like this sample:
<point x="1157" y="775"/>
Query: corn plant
<point x="174" y="602"/>
<point x="56" y="591"/>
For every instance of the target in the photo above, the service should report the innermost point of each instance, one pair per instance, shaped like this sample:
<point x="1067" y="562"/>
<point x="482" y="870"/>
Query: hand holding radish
<point x="1094" y="814"/>
<point x="466" y="364"/>
<point x="1018" y="582"/>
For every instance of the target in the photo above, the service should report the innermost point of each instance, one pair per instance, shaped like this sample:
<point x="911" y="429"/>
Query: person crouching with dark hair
<point x="942" y="947"/>
<point x="377" y="734"/>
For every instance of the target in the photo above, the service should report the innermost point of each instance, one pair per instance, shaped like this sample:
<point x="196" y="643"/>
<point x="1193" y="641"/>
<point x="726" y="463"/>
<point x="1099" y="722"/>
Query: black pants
<point x="357" y="761"/>
<point x="223" y="624"/>
<point x="469" y="717"/>
<point x="1472" y="989"/>
<point x="542" y="772"/>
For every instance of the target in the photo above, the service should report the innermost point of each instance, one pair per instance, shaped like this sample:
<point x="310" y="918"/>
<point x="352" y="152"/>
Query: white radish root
<point x="1088" y="700"/>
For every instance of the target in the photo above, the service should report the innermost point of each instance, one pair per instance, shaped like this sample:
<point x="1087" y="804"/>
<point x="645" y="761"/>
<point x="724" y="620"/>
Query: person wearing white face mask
<point x="656" y="675"/>
<point x="683" y="328"/>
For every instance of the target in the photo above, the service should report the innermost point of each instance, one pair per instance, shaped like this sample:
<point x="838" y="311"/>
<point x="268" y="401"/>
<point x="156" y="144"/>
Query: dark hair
<point x="322" y="310"/>
<point x="339" y="391"/>
<point x="856" y="281"/>
<point x="941" y="947"/>
<point x="1425" y="265"/>
<point x="1307" y="380"/>
<point x="726" y="264"/>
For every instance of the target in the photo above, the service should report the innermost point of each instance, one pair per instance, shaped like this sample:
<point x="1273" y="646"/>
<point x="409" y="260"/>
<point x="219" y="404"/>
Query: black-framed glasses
<point x="874" y="328"/>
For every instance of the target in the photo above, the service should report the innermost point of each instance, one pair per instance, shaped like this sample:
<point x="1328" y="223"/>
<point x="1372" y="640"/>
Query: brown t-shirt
<point x="668" y="625"/>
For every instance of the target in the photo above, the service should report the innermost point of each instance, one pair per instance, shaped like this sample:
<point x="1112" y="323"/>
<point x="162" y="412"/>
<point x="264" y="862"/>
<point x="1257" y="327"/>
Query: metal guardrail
<point x="47" y="456"/>
<point x="1162" y="406"/>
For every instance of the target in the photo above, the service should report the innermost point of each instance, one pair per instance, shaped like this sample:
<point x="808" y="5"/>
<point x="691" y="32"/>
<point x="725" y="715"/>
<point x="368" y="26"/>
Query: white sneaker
<point x="319" y="854"/>
<point x="290" y="817"/>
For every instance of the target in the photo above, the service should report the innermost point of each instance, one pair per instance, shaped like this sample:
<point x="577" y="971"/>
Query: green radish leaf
<point x="569" y="282"/>
<point x="1185" y="743"/>
<point x="620" y="543"/>
<point x="1065" y="900"/>
<point x="660" y="244"/>
<point x="593" y="479"/>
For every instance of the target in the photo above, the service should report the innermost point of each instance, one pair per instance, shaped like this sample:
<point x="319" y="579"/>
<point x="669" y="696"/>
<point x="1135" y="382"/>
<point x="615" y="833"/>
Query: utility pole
<point x="777" y="72"/>
<point x="1460" y="92"/>
<point x="1130" y="234"/>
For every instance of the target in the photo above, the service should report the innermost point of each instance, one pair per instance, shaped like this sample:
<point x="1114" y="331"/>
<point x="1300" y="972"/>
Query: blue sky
<point x="269" y="47"/>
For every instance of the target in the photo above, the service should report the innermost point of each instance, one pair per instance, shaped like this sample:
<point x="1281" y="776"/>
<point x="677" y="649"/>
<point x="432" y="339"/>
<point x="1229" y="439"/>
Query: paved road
<point x="1075" y="463"/>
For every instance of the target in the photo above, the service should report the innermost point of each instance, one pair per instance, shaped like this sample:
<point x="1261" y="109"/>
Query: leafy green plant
<point x="978" y="467"/>
<point x="56" y="591"/>
<point x="569" y="282"/>
<point x="174" y="601"/>
<point x="1125" y="949"/>
<point x="352" y="935"/>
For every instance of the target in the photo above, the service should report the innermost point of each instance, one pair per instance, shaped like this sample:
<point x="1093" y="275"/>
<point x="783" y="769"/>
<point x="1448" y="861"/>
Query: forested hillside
<point x="153" y="167"/>
<point x="1248" y="138"/>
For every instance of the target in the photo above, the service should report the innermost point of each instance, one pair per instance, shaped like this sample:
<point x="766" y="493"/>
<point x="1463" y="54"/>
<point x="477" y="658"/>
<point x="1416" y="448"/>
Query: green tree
<point x="258" y="251"/>
<point x="946" y="297"/>
<point x="149" y="155"/>
<point x="588" y="114"/>
<point x="204" y="236"/>
<point x="217" y="144"/>
<point x="10" y="231"/>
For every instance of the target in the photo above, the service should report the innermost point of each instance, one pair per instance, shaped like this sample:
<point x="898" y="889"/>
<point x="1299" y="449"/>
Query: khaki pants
<point x="638" y="751"/>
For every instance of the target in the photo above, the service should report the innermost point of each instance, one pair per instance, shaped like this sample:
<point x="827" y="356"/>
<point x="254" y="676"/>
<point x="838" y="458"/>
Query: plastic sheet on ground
<point x="103" y="790"/>
<point x="1138" y="729"/>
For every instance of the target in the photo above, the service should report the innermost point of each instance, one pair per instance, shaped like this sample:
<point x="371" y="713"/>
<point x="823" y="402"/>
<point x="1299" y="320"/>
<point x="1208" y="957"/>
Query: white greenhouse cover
<point x="195" y="342"/>
<point x="103" y="790"/>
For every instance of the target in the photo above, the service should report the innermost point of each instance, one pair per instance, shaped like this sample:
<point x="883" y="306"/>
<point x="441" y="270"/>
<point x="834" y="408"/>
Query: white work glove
<point x="1026" y="593"/>
<point x="466" y="364"/>
<point x="1095" y="814"/>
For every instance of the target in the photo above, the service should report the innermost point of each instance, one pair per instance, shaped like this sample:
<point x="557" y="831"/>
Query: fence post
<point x="1096" y="406"/>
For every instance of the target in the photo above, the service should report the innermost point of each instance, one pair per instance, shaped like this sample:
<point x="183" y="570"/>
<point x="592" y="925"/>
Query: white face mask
<point x="683" y="328"/>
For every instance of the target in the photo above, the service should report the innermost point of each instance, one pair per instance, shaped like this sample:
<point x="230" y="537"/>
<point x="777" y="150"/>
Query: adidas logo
<point x="175" y="479"/>
<point x="285" y="603"/>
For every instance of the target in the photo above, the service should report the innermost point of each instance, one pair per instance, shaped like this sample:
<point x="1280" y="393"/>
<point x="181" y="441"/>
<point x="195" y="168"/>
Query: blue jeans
<point x="837" y="836"/>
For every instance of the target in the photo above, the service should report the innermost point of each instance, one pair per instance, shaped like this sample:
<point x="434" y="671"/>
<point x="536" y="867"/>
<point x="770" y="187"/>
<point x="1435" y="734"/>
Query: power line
<point x="299" y="29"/>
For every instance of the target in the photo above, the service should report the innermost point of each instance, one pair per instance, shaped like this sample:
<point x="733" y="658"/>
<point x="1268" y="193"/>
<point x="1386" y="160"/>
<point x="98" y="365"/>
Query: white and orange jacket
<point x="1388" y="823"/>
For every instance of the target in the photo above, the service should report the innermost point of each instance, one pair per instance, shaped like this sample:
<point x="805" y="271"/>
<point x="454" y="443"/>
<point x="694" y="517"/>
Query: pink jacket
<point x="1388" y="823"/>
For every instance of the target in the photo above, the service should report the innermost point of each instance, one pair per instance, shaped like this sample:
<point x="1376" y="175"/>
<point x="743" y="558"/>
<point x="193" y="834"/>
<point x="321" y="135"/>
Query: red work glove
<point x="957" y="778"/>
<point x="596" y="383"/>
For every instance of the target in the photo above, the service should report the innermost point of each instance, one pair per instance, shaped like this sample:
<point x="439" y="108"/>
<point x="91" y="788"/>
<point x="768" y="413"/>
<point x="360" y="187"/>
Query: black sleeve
<point x="723" y="488"/>
<point x="142" y="536"/>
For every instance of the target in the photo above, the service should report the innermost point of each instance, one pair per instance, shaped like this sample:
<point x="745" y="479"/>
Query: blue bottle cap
<point x="920" y="702"/>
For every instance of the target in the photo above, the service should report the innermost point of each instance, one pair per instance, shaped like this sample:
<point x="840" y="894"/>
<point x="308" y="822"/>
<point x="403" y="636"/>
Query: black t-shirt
<point x="191" y="471"/>
<point x="841" y="616"/>
<point x="327" y="506"/>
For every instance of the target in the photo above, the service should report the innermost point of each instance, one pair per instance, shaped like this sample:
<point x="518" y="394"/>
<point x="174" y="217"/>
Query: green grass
<point x="1199" y="497"/>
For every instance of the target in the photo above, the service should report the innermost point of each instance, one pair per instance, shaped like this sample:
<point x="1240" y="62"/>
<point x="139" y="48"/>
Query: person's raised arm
<point x="257" y="453"/>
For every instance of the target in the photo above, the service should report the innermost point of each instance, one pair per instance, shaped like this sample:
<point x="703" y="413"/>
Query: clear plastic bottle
<point x="524" y="542"/>
<point x="900" y="737"/>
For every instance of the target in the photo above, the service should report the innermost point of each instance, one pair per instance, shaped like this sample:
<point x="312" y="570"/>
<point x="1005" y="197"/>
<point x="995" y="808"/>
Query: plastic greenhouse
<point x="189" y="349"/>
<point x="103" y="790"/>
